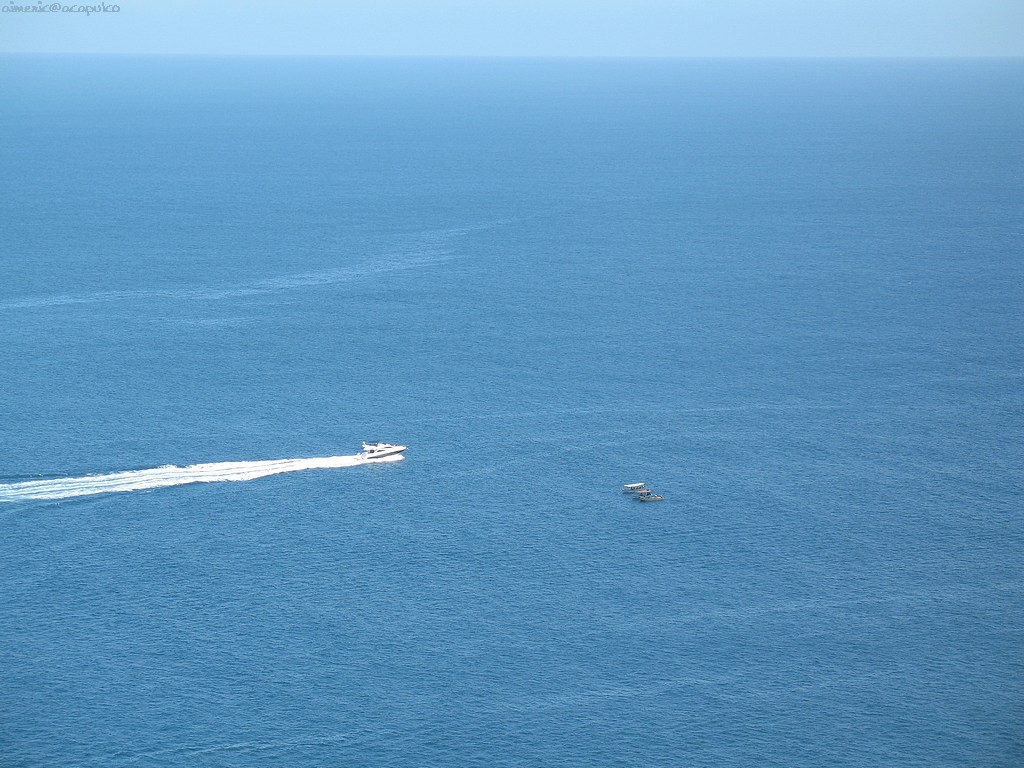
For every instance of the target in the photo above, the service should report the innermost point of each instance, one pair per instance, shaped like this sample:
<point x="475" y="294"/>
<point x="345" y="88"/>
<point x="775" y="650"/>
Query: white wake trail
<point x="162" y="477"/>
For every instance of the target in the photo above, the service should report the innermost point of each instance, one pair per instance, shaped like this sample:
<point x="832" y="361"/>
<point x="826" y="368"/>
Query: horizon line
<point x="517" y="56"/>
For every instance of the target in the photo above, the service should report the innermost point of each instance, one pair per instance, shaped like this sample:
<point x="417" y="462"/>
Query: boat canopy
<point x="633" y="485"/>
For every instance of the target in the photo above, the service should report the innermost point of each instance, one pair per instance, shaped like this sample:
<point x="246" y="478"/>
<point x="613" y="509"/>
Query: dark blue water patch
<point x="783" y="294"/>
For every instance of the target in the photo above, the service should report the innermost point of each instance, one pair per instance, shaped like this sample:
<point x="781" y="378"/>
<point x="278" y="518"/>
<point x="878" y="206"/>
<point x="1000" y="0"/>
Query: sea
<point x="788" y="295"/>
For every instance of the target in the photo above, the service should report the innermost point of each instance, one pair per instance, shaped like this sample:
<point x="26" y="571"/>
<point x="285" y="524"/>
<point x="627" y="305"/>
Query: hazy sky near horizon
<point x="526" y="28"/>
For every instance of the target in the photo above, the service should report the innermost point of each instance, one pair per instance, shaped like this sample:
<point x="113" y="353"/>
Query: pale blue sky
<point x="530" y="28"/>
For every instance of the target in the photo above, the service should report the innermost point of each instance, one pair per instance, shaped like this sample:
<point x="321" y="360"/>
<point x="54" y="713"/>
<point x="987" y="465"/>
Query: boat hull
<point x="373" y="453"/>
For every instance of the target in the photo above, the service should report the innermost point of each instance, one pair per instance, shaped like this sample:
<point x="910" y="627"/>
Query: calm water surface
<point x="787" y="295"/>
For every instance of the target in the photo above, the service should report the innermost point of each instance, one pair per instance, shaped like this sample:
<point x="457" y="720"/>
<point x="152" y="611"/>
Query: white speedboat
<point x="379" y="450"/>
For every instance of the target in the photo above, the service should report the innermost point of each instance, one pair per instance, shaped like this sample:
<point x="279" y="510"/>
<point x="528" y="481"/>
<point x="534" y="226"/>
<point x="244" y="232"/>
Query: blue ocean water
<point x="785" y="294"/>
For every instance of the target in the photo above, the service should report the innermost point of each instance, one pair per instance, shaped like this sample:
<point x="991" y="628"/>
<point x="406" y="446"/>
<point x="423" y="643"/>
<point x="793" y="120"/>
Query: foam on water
<point x="428" y="249"/>
<point x="162" y="477"/>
